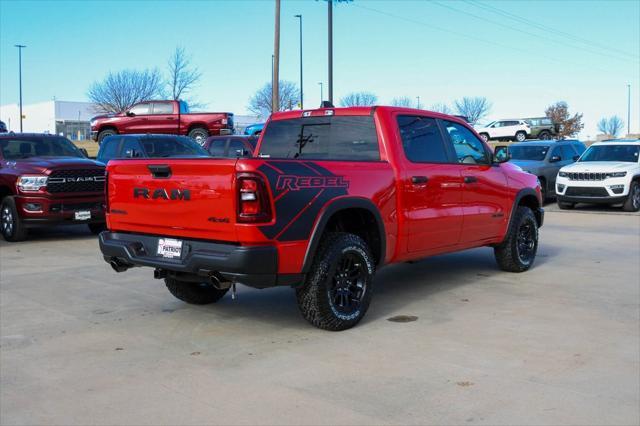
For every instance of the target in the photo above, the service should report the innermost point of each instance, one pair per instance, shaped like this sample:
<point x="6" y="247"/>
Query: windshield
<point x="172" y="147"/>
<point x="38" y="146"/>
<point x="624" y="153"/>
<point x="326" y="137"/>
<point x="536" y="153"/>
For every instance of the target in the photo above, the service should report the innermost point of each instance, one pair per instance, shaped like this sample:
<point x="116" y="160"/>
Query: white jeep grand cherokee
<point x="606" y="173"/>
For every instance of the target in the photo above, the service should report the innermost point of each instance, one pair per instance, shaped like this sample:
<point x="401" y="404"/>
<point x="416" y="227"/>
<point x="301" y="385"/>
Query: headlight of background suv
<point x="32" y="183"/>
<point x="616" y="174"/>
<point x="563" y="174"/>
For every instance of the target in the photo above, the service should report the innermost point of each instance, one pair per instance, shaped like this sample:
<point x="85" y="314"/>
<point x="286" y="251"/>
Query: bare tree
<point x="403" y="101"/>
<point x="611" y="126"/>
<point x="182" y="76"/>
<point x="359" y="99"/>
<point x="260" y="103"/>
<point x="474" y="109"/>
<point x="121" y="90"/>
<point x="566" y="125"/>
<point x="441" y="108"/>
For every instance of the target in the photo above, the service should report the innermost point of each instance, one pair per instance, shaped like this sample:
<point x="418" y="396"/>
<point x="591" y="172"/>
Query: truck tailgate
<point x="188" y="198"/>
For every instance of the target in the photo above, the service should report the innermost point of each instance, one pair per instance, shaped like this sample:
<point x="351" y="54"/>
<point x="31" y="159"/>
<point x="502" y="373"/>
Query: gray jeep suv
<point x="545" y="158"/>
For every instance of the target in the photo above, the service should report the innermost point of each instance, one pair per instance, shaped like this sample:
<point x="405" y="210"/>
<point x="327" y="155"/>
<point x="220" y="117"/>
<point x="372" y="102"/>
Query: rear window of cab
<point x="348" y="138"/>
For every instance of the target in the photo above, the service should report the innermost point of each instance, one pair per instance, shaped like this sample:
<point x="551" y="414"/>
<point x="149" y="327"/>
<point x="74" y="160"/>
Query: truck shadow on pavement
<point x="395" y="287"/>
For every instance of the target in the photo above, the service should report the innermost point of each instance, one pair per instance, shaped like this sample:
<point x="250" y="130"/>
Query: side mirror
<point x="130" y="114"/>
<point x="501" y="154"/>
<point x="84" y="152"/>
<point x="555" y="159"/>
<point x="130" y="153"/>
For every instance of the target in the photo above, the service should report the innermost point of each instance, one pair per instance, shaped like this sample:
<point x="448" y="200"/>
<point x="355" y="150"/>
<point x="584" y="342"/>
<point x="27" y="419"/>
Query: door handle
<point x="470" y="179"/>
<point x="418" y="180"/>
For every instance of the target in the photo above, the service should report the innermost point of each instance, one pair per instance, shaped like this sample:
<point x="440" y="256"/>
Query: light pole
<point x="301" y="94"/>
<point x="330" y="16"/>
<point x="321" y="94"/>
<point x="628" y="109"/>
<point x="418" y="98"/>
<point x="20" y="47"/>
<point x="275" y="90"/>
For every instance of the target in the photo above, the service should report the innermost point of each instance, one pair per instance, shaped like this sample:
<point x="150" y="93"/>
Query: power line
<point x="482" y="40"/>
<point x="519" y="18"/>
<point x="573" y="46"/>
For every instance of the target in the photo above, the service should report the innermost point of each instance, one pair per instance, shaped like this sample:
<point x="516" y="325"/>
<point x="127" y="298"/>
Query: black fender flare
<point x="334" y="207"/>
<point x="538" y="212"/>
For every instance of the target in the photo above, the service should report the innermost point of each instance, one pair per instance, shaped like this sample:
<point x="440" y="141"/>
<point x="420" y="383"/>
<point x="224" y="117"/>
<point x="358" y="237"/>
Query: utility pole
<point x="275" y="89"/>
<point x="301" y="95"/>
<point x="20" y="47"/>
<point x="330" y="15"/>
<point x="321" y="94"/>
<point x="628" y="109"/>
<point x="418" y="97"/>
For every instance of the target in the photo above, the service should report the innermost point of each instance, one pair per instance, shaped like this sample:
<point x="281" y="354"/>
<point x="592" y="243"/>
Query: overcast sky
<point x="522" y="55"/>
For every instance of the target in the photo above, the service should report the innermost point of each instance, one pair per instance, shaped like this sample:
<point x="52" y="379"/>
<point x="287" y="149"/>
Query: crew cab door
<point x="484" y="201"/>
<point x="137" y="119"/>
<point x="162" y="118"/>
<point x="431" y="187"/>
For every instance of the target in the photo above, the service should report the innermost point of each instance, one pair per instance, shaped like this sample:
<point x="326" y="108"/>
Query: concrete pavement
<point x="559" y="344"/>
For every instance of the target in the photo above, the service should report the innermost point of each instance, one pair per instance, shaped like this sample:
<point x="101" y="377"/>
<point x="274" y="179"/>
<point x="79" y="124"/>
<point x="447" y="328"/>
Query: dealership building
<point x="65" y="118"/>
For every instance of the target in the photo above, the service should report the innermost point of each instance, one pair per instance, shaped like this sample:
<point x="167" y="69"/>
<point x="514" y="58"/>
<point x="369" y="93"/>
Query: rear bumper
<point x="255" y="266"/>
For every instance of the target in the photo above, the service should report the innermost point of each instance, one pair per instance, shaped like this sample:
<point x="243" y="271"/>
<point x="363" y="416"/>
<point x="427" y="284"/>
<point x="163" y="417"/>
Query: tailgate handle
<point x="160" y="171"/>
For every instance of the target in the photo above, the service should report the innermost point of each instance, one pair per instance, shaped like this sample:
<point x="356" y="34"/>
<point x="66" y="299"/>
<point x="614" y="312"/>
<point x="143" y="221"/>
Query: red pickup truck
<point x="46" y="180"/>
<point x="333" y="195"/>
<point x="165" y="117"/>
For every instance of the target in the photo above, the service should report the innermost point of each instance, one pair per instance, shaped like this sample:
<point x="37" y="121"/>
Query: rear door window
<point x="322" y="138"/>
<point x="421" y="139"/>
<point x="162" y="108"/>
<point x="217" y="147"/>
<point x="131" y="149"/>
<point x="108" y="149"/>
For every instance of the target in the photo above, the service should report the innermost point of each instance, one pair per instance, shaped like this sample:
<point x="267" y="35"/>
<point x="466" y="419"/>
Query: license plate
<point x="83" y="215"/>
<point x="169" y="248"/>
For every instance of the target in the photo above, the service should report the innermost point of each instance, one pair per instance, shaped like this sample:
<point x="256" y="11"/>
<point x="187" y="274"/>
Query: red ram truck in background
<point x="332" y="195"/>
<point x="47" y="180"/>
<point x="163" y="117"/>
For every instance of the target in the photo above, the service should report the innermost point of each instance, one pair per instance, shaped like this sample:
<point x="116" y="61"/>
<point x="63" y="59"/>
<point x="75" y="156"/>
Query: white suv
<point x="606" y="173"/>
<point x="505" y="129"/>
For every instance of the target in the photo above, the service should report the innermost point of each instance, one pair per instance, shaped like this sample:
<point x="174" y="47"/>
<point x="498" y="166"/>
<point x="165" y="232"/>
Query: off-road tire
<point x="195" y="293"/>
<point x="520" y="136"/>
<point x="632" y="203"/>
<point x="314" y="300"/>
<point x="563" y="205"/>
<point x="508" y="255"/>
<point x="199" y="134"/>
<point x="97" y="228"/>
<point x="485" y="137"/>
<point x="104" y="133"/>
<point x="11" y="225"/>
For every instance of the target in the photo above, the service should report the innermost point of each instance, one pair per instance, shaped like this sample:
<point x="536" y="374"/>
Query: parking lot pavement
<point x="559" y="344"/>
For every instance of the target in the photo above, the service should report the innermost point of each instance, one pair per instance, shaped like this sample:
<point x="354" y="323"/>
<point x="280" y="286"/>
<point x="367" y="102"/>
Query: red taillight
<point x="253" y="199"/>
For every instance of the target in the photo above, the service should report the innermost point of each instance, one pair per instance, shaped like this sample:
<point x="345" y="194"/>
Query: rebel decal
<point x="300" y="189"/>
<point x="296" y="183"/>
